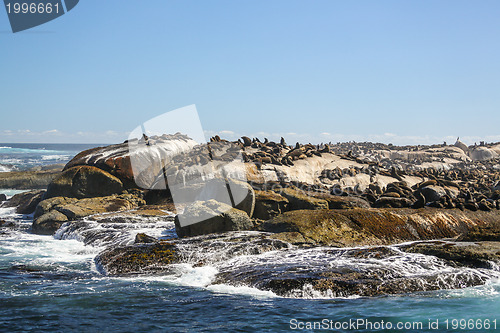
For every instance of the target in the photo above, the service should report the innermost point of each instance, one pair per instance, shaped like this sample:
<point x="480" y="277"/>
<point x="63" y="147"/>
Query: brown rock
<point x="301" y="200"/>
<point x="268" y="204"/>
<point x="205" y="217"/>
<point x="25" y="202"/>
<point x="360" y="227"/>
<point x="84" y="182"/>
<point x="47" y="221"/>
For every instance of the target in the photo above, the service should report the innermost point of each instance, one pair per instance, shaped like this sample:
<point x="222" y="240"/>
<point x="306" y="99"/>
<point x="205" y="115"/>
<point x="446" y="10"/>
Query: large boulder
<point x="50" y="214"/>
<point x="361" y="227"/>
<point x="206" y="217"/>
<point x="478" y="254"/>
<point x="432" y="193"/>
<point x="483" y="154"/>
<point x="228" y="191"/>
<point x="139" y="258"/>
<point x="84" y="182"/>
<point x="269" y="204"/>
<point x="48" y="223"/>
<point x="3" y="197"/>
<point x="25" y="202"/>
<point x="299" y="199"/>
<point x="351" y="272"/>
<point x="146" y="160"/>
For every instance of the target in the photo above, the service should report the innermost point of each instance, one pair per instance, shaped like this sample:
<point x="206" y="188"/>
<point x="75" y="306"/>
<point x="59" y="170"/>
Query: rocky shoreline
<point x="350" y="202"/>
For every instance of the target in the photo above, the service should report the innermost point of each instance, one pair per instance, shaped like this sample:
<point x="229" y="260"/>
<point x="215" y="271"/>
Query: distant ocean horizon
<point x="24" y="156"/>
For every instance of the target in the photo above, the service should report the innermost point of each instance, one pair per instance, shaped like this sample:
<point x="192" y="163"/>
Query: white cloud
<point x="57" y="136"/>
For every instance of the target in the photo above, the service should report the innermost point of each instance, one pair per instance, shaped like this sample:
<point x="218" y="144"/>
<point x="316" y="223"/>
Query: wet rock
<point x="47" y="205"/>
<point x="47" y="221"/>
<point x="205" y="217"/>
<point x="3" y="197"/>
<point x="25" y="202"/>
<point x="359" y="227"/>
<point x="138" y="259"/>
<point x="84" y="182"/>
<point x="490" y="232"/>
<point x="319" y="227"/>
<point x="143" y="238"/>
<point x="476" y="255"/>
<point x="7" y="224"/>
<point x="348" y="272"/>
<point x="269" y="204"/>
<point x="300" y="200"/>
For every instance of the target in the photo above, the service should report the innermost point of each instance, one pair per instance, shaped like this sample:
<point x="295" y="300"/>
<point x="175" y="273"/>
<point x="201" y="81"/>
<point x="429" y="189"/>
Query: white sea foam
<point x="55" y="157"/>
<point x="241" y="290"/>
<point x="4" y="168"/>
<point x="490" y="289"/>
<point x="195" y="276"/>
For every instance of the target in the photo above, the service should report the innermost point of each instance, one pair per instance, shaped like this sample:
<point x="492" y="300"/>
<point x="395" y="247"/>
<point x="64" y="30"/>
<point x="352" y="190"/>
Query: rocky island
<point x="331" y="219"/>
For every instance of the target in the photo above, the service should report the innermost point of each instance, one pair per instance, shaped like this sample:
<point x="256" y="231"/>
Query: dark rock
<point x="3" y="197"/>
<point x="138" y="259"/>
<point x="49" y="213"/>
<point x="340" y="202"/>
<point x="143" y="238"/>
<point x="360" y="227"/>
<point x="301" y="200"/>
<point x="25" y="202"/>
<point x="205" y="217"/>
<point x="84" y="182"/>
<point x="477" y="255"/>
<point x="373" y="278"/>
<point x="432" y="193"/>
<point x="485" y="205"/>
<point x="48" y="223"/>
<point x="47" y="205"/>
<point x="390" y="202"/>
<point x="7" y="224"/>
<point x="269" y="204"/>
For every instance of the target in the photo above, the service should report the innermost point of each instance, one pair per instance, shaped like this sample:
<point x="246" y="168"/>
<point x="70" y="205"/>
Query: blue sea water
<point x="22" y="156"/>
<point x="51" y="284"/>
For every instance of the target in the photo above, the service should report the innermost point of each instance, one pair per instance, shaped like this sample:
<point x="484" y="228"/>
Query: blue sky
<point x="393" y="71"/>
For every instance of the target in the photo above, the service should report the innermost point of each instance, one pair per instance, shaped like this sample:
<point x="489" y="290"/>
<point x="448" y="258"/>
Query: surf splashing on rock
<point x="247" y="262"/>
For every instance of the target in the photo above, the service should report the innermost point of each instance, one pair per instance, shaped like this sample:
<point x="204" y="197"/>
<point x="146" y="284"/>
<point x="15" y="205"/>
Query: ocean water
<point x="23" y="156"/>
<point x="52" y="284"/>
